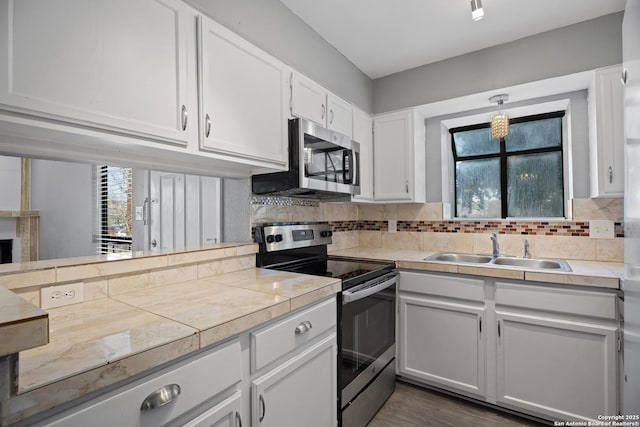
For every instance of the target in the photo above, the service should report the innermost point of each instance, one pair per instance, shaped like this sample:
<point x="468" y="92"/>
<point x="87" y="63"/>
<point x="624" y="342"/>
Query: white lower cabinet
<point x="225" y="414"/>
<point x="546" y="350"/>
<point x="300" y="391"/>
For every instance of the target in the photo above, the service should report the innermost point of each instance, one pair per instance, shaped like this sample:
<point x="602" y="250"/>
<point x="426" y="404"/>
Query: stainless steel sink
<point x="501" y="261"/>
<point x="543" y="264"/>
<point x="464" y="258"/>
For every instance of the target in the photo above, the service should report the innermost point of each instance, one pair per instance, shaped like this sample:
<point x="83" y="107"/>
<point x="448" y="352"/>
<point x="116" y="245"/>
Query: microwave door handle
<point x="355" y="171"/>
<point x="347" y="173"/>
<point x="349" y="296"/>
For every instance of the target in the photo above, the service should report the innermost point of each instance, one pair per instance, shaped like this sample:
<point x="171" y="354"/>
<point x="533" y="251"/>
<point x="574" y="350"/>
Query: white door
<point x="308" y="100"/>
<point x="300" y="392"/>
<point x="362" y="133"/>
<point x="184" y="211"/>
<point x="118" y="65"/>
<point x="244" y="97"/>
<point x="561" y="369"/>
<point x="225" y="414"/>
<point x="339" y="116"/>
<point x="443" y="343"/>
<point x="392" y="145"/>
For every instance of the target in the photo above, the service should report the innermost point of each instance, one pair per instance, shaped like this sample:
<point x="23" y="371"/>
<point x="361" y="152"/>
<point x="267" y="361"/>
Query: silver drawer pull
<point x="160" y="397"/>
<point x="303" y="327"/>
<point x="185" y="117"/>
<point x="239" y="419"/>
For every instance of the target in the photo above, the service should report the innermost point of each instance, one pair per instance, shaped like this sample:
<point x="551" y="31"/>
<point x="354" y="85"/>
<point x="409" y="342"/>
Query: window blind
<point x="114" y="209"/>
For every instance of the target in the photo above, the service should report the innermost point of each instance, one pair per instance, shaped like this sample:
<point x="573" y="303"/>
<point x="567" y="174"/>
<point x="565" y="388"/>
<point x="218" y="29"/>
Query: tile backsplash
<point x="421" y="227"/>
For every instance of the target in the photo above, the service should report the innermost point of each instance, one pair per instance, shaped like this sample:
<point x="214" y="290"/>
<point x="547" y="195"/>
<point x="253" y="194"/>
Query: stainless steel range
<point x="366" y="312"/>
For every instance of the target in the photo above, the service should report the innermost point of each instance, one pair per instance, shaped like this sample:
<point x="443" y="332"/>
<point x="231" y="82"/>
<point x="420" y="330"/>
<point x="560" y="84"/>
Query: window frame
<point x="103" y="238"/>
<point x="503" y="156"/>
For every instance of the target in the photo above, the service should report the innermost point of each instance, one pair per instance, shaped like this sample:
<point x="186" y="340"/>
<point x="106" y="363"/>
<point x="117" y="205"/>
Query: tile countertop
<point x="97" y="343"/>
<point x="22" y="325"/>
<point x="583" y="273"/>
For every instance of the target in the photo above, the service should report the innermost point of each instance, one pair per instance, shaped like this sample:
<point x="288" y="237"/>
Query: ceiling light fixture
<point x="477" y="13"/>
<point x="500" y="121"/>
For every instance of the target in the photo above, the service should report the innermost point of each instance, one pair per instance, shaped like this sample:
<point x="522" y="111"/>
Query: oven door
<point x="368" y="333"/>
<point x="329" y="161"/>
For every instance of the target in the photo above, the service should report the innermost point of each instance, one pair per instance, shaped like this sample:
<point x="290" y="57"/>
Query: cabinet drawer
<point x="443" y="286"/>
<point x="280" y="338"/>
<point x="567" y="301"/>
<point x="199" y="379"/>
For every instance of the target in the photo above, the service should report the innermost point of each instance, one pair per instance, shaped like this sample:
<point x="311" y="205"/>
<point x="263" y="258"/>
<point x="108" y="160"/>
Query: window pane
<point x="478" y="188"/>
<point x="534" y="186"/>
<point x="475" y="142"/>
<point x="537" y="134"/>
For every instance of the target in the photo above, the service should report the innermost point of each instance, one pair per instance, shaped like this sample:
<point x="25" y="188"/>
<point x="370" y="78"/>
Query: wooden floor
<point x="411" y="406"/>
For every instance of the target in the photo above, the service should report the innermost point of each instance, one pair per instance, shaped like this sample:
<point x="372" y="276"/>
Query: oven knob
<point x="271" y="238"/>
<point x="278" y="237"/>
<point x="326" y="233"/>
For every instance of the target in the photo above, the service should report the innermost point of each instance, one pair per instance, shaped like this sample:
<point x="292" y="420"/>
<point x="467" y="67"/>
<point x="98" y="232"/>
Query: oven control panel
<point x="279" y="237"/>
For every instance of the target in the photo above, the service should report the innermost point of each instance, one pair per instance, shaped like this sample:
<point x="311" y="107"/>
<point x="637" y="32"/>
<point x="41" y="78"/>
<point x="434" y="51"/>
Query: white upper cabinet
<point x="362" y="133"/>
<point x="399" y="157"/>
<point x="116" y="65"/>
<point x="244" y="97"/>
<point x="312" y="102"/>
<point x="606" y="133"/>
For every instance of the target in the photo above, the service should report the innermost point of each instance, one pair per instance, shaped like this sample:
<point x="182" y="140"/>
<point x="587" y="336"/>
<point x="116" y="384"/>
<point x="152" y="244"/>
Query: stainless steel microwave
<point x="322" y="164"/>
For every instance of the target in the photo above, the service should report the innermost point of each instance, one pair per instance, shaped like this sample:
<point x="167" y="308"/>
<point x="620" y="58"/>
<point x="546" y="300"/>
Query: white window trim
<point x="529" y="110"/>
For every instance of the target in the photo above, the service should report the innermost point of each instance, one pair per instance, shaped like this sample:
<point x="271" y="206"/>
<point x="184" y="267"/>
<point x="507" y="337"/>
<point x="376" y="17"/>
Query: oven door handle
<point x="351" y="296"/>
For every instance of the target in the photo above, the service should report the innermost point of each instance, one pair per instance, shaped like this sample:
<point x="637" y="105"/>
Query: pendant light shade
<point x="477" y="13"/>
<point x="500" y="121"/>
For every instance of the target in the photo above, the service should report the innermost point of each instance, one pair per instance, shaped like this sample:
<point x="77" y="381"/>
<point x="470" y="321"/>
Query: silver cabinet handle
<point x="623" y="77"/>
<point x="160" y="397"/>
<point x="406" y="187"/>
<point x="239" y="419"/>
<point x="480" y="324"/>
<point x="207" y="127"/>
<point x="145" y="211"/>
<point x="303" y="327"/>
<point x="154" y="243"/>
<point x="332" y="116"/>
<point x="498" y="329"/>
<point x="324" y="110"/>
<point x="263" y="407"/>
<point x="185" y="117"/>
<point x="610" y="175"/>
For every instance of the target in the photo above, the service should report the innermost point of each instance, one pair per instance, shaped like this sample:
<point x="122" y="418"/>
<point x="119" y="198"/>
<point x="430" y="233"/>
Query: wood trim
<point x="25" y="184"/>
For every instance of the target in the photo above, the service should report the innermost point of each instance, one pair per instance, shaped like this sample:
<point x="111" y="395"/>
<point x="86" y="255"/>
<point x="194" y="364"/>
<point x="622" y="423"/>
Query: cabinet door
<point x="362" y="133"/>
<point x="565" y="370"/>
<point x="244" y="97"/>
<point x="610" y="132"/>
<point x="392" y="146"/>
<point x="225" y="414"/>
<point x="442" y="343"/>
<point x="300" y="392"/>
<point x="308" y="100"/>
<point x="339" y="115"/>
<point x="117" y="65"/>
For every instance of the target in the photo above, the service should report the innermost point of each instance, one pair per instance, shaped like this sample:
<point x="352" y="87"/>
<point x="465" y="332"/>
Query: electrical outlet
<point x="601" y="229"/>
<point x="393" y="226"/>
<point x="61" y="295"/>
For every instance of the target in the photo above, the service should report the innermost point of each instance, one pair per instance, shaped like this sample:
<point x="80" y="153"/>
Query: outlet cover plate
<point x="61" y="295"/>
<point x="601" y="229"/>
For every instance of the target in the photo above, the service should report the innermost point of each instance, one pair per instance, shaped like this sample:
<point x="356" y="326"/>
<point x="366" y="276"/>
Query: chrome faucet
<point x="496" y="247"/>
<point x="526" y="249"/>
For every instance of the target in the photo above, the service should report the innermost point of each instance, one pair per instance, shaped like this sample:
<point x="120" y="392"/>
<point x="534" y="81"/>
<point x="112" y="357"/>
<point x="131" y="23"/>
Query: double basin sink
<point x="501" y="261"/>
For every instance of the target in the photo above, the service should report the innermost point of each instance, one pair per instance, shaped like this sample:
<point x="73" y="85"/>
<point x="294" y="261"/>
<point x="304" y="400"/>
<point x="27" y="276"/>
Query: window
<point x="114" y="208"/>
<point x="519" y="176"/>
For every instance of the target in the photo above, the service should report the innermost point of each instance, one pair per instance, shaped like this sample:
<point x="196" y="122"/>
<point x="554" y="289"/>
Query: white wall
<point x="270" y="25"/>
<point x="63" y="192"/>
<point x="9" y="183"/>
<point x="580" y="47"/>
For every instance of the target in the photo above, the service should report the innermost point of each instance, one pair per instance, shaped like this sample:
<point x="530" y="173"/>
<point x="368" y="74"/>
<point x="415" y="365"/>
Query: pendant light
<point x="500" y="121"/>
<point x="477" y="13"/>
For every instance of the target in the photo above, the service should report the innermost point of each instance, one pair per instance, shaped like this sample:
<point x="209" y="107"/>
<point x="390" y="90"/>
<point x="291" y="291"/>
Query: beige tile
<point x="25" y="335"/>
<point x="338" y="212"/>
<point x="567" y="247"/>
<point x="510" y="244"/>
<point x="572" y="278"/>
<point x="201" y="256"/>
<point x="448" y="242"/>
<point x="128" y="283"/>
<point x="420" y="212"/>
<point x="377" y="212"/>
<point x="587" y="209"/>
<point x="66" y="389"/>
<point x="95" y="289"/>
<point x="315" y="296"/>
<point x="173" y="275"/>
<point x="31" y="295"/>
<point x="14" y="309"/>
<point x="429" y="266"/>
<point x="28" y="279"/>
<point x="247" y="249"/>
<point x="502" y="272"/>
<point x="411" y="241"/>
<point x="370" y="239"/>
<point x="208" y="269"/>
<point x="111" y="268"/>
<point x="611" y="250"/>
<point x="344" y="240"/>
